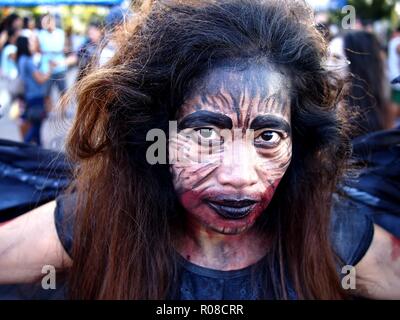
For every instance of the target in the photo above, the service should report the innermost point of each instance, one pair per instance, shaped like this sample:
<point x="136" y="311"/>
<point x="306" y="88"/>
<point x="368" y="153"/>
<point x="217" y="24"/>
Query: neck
<point x="208" y="248"/>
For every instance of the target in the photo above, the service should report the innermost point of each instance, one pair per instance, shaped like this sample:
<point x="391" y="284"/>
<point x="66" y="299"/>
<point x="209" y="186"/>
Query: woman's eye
<point x="269" y="136"/>
<point x="268" y="139"/>
<point x="207" y="133"/>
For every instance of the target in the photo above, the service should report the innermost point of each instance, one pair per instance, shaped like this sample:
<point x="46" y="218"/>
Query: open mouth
<point x="231" y="208"/>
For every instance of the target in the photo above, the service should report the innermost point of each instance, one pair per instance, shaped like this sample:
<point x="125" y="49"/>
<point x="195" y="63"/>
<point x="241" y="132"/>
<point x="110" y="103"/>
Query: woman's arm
<point x="28" y="243"/>
<point x="41" y="77"/>
<point x="378" y="273"/>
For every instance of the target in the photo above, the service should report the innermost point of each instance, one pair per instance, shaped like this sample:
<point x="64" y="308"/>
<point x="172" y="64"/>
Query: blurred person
<point x="78" y="38"/>
<point x="12" y="21"/>
<point x="35" y="89"/>
<point x="376" y="191"/>
<point x="28" y="29"/>
<point x="9" y="72"/>
<point x="52" y="45"/>
<point x="114" y="21"/>
<point x="114" y="25"/>
<point x="369" y="86"/>
<point x="9" y="55"/>
<point x="394" y="66"/>
<point x="369" y="92"/>
<point x="69" y="40"/>
<point x="90" y="49"/>
<point x="252" y="221"/>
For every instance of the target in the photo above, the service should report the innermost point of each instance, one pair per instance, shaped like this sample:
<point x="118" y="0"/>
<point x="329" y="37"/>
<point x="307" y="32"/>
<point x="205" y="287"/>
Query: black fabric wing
<point x="29" y="177"/>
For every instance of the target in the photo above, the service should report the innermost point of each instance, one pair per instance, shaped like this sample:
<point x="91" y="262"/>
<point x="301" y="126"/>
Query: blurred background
<point x="62" y="37"/>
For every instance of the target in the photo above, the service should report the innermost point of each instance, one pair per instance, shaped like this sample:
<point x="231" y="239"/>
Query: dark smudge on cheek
<point x="191" y="177"/>
<point x="269" y="193"/>
<point x="191" y="201"/>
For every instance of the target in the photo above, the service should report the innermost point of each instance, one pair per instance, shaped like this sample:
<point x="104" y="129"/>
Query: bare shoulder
<point x="28" y="243"/>
<point x="378" y="273"/>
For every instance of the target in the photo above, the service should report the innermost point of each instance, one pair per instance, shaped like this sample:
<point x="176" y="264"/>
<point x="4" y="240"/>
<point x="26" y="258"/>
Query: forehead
<point x="239" y="92"/>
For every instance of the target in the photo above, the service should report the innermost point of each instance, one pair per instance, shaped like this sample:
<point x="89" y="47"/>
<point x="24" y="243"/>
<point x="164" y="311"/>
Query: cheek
<point x="267" y="195"/>
<point x="272" y="167"/>
<point x="192" y="176"/>
<point x="191" y="201"/>
<point x="190" y="168"/>
<point x="270" y="176"/>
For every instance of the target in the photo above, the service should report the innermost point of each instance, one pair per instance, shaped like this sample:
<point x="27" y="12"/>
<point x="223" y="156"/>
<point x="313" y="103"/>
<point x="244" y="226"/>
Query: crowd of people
<point x="35" y="58"/>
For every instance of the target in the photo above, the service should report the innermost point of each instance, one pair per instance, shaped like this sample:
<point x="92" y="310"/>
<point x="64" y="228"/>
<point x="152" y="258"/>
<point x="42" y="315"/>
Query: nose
<point x="238" y="166"/>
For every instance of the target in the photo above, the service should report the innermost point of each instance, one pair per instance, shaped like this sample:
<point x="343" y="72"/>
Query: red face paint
<point x="197" y="207"/>
<point x="395" y="248"/>
<point x="224" y="194"/>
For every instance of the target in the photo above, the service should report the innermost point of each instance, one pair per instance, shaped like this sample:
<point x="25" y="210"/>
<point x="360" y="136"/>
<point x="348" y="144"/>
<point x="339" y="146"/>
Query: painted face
<point x="234" y="138"/>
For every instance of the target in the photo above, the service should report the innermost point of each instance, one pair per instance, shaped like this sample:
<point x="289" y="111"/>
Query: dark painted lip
<point x="231" y="208"/>
<point x="225" y="199"/>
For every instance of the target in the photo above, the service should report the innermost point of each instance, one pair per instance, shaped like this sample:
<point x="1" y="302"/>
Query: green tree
<point x="372" y="9"/>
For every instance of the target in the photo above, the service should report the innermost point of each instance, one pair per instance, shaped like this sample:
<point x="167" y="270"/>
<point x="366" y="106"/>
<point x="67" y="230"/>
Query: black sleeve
<point x="64" y="216"/>
<point x="351" y="230"/>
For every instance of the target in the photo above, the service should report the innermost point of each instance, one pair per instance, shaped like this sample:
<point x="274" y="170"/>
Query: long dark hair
<point x="7" y="22"/>
<point x="367" y="89"/>
<point x="123" y="247"/>
<point x="22" y="45"/>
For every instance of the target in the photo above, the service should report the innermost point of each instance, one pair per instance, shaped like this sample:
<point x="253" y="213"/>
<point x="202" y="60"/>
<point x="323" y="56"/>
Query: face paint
<point x="395" y="248"/>
<point x="234" y="130"/>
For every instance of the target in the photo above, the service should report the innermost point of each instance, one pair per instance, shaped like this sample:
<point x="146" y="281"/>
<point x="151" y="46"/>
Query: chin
<point x="231" y="230"/>
<point x="214" y="222"/>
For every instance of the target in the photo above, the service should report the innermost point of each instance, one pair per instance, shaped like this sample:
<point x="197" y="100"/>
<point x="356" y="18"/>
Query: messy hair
<point x="123" y="246"/>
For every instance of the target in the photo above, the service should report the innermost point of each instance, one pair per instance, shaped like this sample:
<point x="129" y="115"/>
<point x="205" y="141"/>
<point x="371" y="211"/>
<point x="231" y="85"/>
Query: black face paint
<point x="205" y="118"/>
<point x="227" y="192"/>
<point x="270" y="122"/>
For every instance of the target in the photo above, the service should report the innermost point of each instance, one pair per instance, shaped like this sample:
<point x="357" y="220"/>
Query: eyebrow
<point x="205" y="118"/>
<point x="270" y="122"/>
